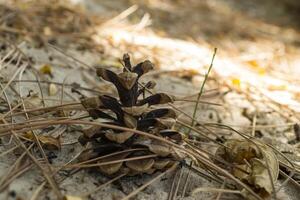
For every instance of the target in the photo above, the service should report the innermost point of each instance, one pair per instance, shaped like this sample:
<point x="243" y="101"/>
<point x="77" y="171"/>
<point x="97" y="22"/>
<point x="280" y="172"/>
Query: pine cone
<point x="131" y="110"/>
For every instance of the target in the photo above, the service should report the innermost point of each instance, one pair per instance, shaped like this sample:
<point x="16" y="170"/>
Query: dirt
<point x="258" y="47"/>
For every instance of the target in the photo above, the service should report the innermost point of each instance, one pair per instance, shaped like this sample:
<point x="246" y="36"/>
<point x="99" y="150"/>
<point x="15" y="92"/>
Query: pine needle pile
<point x="42" y="22"/>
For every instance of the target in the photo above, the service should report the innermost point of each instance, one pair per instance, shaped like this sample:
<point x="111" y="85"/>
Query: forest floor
<point x="253" y="87"/>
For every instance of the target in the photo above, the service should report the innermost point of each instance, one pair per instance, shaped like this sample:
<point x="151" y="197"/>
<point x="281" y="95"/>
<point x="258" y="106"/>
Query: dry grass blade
<point x="102" y="185"/>
<point x="109" y="162"/>
<point x="288" y="179"/>
<point x="170" y="194"/>
<point x="50" y="179"/>
<point x="187" y="180"/>
<point x="174" y="196"/>
<point x="69" y="56"/>
<point x="205" y="189"/>
<point x="9" y="151"/>
<point x="200" y="159"/>
<point x="12" y="78"/>
<point x="12" y="170"/>
<point x="202" y="89"/>
<point x="35" y="195"/>
<point x="15" y="175"/>
<point x="220" y="193"/>
<point x="121" y="16"/>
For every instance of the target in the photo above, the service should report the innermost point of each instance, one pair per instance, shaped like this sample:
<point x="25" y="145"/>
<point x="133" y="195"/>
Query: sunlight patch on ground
<point x="175" y="54"/>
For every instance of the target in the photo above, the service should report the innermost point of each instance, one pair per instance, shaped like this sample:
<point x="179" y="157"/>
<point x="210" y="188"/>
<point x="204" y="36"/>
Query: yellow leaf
<point x="261" y="71"/>
<point x="257" y="67"/>
<point x="253" y="63"/>
<point x="236" y="82"/>
<point x="46" y="69"/>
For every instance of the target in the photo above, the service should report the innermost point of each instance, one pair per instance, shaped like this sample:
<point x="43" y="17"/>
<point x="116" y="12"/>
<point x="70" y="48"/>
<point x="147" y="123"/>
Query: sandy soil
<point x="258" y="47"/>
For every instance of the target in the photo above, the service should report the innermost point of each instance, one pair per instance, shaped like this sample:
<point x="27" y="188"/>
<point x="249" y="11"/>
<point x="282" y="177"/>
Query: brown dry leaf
<point x="254" y="158"/>
<point x="50" y="142"/>
<point x="47" y="142"/>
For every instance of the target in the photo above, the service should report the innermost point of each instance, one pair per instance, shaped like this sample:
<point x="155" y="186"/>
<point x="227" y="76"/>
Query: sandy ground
<point x="254" y="46"/>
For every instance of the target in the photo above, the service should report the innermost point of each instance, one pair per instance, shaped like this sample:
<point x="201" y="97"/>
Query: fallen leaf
<point x="48" y="142"/>
<point x="236" y="82"/>
<point x="256" y="66"/>
<point x="256" y="160"/>
<point x="47" y="70"/>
